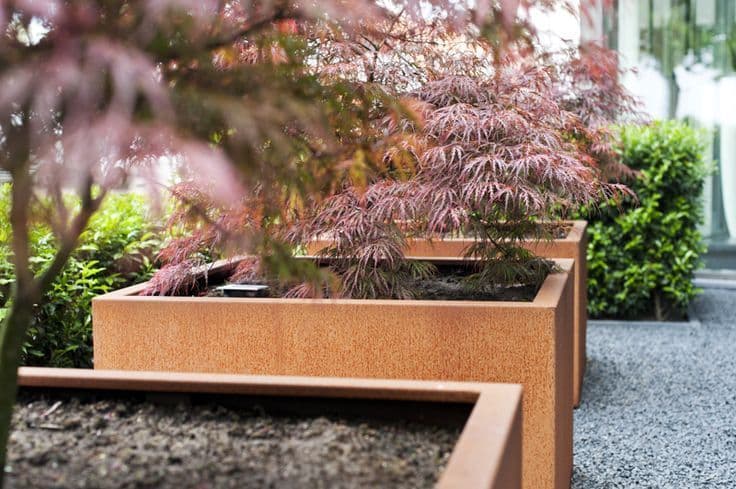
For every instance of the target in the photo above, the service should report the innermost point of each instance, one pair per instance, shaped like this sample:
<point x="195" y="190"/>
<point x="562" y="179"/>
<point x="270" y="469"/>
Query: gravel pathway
<point x="659" y="402"/>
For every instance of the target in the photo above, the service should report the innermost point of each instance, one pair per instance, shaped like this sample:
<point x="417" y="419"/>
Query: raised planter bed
<point x="487" y="453"/>
<point x="573" y="245"/>
<point x="528" y="343"/>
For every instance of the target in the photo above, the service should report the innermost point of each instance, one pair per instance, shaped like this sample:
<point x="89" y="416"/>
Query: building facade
<point x="683" y="53"/>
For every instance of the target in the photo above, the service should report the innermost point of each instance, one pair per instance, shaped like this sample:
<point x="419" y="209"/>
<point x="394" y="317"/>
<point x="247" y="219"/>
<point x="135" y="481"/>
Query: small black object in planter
<point x="244" y="290"/>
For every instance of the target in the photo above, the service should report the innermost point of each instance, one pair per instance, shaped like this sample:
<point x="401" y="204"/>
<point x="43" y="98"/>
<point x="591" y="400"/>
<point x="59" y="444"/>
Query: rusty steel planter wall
<point x="574" y="246"/>
<point x="487" y="454"/>
<point x="528" y="343"/>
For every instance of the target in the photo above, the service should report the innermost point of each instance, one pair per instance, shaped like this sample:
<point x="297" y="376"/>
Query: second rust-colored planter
<point x="574" y="246"/>
<point x="528" y="343"/>
<point x="487" y="454"/>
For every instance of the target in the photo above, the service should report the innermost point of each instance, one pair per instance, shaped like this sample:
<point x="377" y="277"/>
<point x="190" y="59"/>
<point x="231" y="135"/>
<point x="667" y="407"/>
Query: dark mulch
<point x="449" y="283"/>
<point x="546" y="231"/>
<point x="557" y="230"/>
<point x="113" y="442"/>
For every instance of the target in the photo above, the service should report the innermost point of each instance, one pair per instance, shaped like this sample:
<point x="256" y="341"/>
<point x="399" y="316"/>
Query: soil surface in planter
<point x="449" y="283"/>
<point x="548" y="231"/>
<point x="108" y="441"/>
<point x="558" y="230"/>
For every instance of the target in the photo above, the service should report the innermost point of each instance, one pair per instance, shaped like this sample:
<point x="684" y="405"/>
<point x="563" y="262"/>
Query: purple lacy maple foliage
<point x="368" y="230"/>
<point x="335" y="41"/>
<point x="497" y="147"/>
<point x="589" y="85"/>
<point x="494" y="147"/>
<point x="494" y="157"/>
<point x="499" y="150"/>
<point x="583" y="79"/>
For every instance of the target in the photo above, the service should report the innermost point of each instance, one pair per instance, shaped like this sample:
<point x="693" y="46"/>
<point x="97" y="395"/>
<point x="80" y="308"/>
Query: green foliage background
<point x="116" y="250"/>
<point x="641" y="261"/>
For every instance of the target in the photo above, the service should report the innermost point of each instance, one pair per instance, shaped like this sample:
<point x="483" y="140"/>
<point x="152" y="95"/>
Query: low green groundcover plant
<point x="116" y="250"/>
<point x="641" y="261"/>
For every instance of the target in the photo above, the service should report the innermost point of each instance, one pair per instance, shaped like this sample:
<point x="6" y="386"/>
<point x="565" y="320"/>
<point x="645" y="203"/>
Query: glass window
<point x="684" y="52"/>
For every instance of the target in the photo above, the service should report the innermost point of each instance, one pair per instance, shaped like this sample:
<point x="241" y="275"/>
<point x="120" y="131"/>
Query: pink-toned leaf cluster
<point x="498" y="145"/>
<point x="489" y="145"/>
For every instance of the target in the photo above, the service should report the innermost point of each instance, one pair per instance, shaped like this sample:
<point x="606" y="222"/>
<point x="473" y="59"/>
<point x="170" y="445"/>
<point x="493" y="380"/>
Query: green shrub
<point x="116" y="250"/>
<point x="641" y="261"/>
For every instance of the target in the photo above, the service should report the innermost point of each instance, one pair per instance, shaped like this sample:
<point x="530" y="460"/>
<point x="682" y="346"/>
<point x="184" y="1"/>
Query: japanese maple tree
<point x="493" y="157"/>
<point x="485" y="145"/>
<point x="496" y="145"/>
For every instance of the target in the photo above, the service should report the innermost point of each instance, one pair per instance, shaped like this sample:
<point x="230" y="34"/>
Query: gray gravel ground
<point x="659" y="402"/>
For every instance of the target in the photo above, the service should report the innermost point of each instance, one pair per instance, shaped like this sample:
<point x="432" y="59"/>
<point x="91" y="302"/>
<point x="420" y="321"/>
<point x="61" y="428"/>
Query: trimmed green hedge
<point x="114" y="251"/>
<point x="641" y="261"/>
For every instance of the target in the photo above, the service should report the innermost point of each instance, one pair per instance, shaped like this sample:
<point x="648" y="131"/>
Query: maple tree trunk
<point x="658" y="309"/>
<point x="12" y="333"/>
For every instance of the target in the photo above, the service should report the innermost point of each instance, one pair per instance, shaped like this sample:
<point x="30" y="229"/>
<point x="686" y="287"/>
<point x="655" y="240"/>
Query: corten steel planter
<point x="487" y="454"/>
<point x="528" y="343"/>
<point x="574" y="246"/>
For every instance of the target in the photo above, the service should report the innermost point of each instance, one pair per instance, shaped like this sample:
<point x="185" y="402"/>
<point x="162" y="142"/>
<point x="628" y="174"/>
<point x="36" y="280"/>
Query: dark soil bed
<point x="558" y="230"/>
<point x="108" y="441"/>
<point x="549" y="230"/>
<point x="449" y="283"/>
